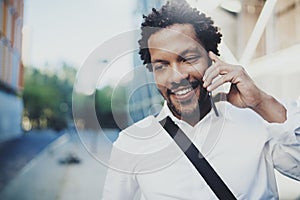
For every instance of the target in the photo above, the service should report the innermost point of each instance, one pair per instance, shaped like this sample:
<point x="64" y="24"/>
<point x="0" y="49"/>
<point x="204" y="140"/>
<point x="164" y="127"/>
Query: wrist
<point x="270" y="109"/>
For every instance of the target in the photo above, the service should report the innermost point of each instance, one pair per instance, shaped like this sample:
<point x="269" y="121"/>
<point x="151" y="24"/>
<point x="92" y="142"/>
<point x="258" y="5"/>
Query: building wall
<point x="11" y="68"/>
<point x="275" y="65"/>
<point x="282" y="31"/>
<point x="144" y="98"/>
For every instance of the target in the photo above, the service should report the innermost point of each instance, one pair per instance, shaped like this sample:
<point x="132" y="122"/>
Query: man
<point x="243" y="139"/>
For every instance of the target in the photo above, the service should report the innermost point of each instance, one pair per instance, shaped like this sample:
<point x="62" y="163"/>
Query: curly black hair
<point x="178" y="12"/>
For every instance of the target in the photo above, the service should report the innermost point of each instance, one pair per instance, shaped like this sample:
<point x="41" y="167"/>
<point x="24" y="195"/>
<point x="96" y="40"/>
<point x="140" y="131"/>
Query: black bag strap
<point x="203" y="167"/>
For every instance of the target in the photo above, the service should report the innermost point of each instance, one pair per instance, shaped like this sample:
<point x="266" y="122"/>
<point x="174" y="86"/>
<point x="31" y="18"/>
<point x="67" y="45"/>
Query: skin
<point x="180" y="65"/>
<point x="184" y="71"/>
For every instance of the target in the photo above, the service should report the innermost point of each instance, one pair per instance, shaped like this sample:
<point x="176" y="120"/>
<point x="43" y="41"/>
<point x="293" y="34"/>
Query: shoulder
<point x="243" y="127"/>
<point x="244" y="121"/>
<point x="141" y="129"/>
<point x="241" y="115"/>
<point x="139" y="136"/>
<point x="138" y="146"/>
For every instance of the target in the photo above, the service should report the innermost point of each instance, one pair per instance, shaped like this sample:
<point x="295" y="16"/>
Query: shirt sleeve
<point x="120" y="182"/>
<point x="120" y="186"/>
<point x="284" y="142"/>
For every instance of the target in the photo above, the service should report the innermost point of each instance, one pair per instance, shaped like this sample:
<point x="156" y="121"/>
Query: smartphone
<point x="213" y="104"/>
<point x="210" y="94"/>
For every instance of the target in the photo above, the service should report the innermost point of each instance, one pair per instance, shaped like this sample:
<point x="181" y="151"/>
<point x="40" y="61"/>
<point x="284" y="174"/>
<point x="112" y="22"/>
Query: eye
<point x="190" y="59"/>
<point x="159" y="66"/>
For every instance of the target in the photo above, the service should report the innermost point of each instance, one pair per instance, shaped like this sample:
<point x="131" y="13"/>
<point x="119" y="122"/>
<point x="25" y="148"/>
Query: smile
<point x="183" y="91"/>
<point x="184" y="95"/>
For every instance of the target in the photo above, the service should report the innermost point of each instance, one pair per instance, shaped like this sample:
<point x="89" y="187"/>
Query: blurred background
<point x="43" y="44"/>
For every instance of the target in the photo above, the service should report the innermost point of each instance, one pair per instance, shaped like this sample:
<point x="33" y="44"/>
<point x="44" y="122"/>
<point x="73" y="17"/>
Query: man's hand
<point x="243" y="92"/>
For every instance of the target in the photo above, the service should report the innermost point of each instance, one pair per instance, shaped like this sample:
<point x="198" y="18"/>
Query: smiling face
<point x="179" y="62"/>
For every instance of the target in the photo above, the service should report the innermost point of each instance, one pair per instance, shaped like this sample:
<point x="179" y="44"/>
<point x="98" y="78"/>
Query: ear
<point x="209" y="60"/>
<point x="213" y="56"/>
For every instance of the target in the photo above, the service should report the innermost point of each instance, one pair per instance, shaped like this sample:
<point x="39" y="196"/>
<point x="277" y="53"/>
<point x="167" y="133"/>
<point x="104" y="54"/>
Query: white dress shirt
<point x="242" y="148"/>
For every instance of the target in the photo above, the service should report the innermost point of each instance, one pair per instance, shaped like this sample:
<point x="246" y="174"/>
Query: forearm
<point x="270" y="109"/>
<point x="284" y="141"/>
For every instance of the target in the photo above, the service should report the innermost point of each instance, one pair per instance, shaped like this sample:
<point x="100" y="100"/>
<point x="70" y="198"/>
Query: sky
<point x="57" y="31"/>
<point x="67" y="31"/>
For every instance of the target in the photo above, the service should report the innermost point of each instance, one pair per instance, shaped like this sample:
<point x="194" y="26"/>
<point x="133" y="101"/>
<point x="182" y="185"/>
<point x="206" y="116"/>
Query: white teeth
<point x="184" y="91"/>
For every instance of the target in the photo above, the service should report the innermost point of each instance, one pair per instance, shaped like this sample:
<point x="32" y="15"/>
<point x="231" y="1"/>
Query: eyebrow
<point x="159" y="61"/>
<point x="180" y="55"/>
<point x="187" y="51"/>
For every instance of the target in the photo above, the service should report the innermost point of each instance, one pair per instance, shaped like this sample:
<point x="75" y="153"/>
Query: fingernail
<point x="208" y="88"/>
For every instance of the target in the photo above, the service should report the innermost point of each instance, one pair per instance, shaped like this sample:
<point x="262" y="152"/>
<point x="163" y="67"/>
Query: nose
<point x="177" y="74"/>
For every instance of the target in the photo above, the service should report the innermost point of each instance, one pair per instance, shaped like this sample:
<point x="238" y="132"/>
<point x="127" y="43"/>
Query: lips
<point x="185" y="93"/>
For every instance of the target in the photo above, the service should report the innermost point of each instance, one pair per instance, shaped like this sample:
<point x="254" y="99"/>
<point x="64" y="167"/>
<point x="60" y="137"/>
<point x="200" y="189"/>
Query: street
<point x="66" y="170"/>
<point x="63" y="170"/>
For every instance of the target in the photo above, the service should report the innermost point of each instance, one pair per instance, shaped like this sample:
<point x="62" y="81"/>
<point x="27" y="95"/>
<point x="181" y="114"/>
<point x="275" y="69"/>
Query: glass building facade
<point x="144" y="98"/>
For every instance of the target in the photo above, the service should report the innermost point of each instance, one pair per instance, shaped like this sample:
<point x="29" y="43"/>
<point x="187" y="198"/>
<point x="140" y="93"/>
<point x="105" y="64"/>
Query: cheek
<point x="199" y="70"/>
<point x="160" y="81"/>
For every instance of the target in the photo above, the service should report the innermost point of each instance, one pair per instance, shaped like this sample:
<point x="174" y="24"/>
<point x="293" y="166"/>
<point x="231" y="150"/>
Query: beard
<point x="191" y="108"/>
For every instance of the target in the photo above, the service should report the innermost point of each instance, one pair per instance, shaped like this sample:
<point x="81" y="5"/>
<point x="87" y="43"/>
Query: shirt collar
<point x="165" y="111"/>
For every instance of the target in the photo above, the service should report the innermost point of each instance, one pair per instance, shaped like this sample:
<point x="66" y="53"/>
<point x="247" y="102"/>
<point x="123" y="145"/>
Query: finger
<point x="215" y="70"/>
<point x="216" y="62"/>
<point x="212" y="72"/>
<point x="220" y="81"/>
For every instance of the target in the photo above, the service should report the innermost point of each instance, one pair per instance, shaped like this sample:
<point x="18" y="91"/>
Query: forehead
<point x="174" y="38"/>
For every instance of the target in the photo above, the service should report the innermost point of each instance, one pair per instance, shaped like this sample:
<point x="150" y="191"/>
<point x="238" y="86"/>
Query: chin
<point x="185" y="110"/>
